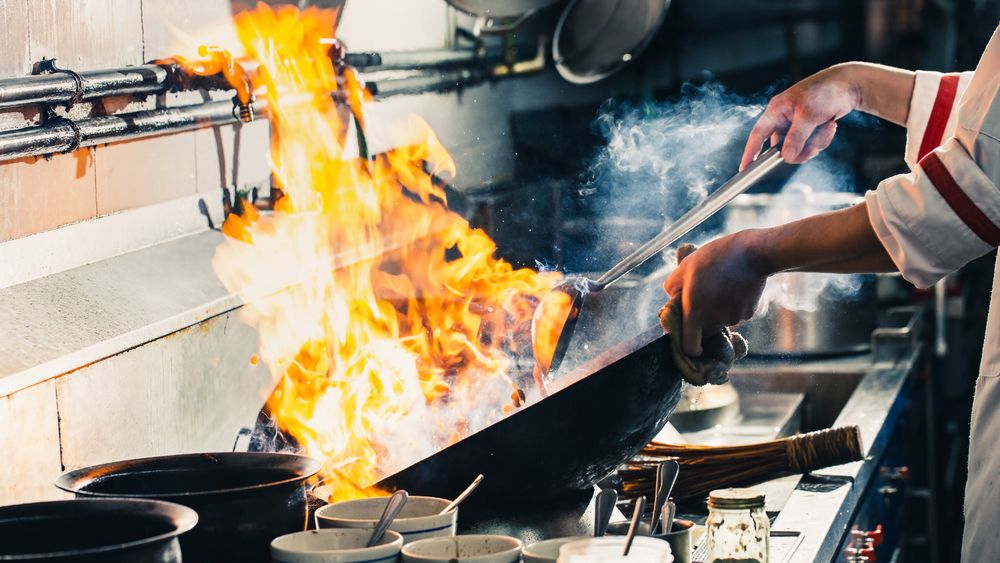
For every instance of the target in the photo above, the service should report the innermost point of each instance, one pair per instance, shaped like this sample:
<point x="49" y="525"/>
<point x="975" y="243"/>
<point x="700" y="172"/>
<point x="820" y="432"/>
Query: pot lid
<point x="501" y="9"/>
<point x="595" y="38"/>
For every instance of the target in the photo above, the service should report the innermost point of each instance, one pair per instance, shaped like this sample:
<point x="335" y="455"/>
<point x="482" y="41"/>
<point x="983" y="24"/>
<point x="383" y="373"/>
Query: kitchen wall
<point x="116" y="340"/>
<point x="40" y="194"/>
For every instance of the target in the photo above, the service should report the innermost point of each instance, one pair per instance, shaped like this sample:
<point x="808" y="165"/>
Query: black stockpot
<point x="243" y="499"/>
<point x="94" y="531"/>
<point x="561" y="445"/>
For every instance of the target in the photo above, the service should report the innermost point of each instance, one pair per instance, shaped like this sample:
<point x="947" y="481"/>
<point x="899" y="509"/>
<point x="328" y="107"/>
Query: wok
<point x="243" y="500"/>
<point x="616" y="389"/>
<point x="564" y="443"/>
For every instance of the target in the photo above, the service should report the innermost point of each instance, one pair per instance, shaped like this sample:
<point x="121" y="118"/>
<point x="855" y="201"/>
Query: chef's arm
<point x="720" y="284"/>
<point x="803" y="118"/>
<point x="883" y="91"/>
<point x="841" y="242"/>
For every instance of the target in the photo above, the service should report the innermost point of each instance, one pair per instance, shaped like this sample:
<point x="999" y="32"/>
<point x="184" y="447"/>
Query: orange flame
<point x="390" y="325"/>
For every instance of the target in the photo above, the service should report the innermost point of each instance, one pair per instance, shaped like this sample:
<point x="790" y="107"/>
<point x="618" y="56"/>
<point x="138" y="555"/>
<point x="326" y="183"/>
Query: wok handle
<point x="758" y="169"/>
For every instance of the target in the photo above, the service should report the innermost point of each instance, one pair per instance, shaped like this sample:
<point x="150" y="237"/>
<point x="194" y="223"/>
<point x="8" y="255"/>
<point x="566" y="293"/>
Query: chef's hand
<point x="805" y="116"/>
<point x="720" y="284"/>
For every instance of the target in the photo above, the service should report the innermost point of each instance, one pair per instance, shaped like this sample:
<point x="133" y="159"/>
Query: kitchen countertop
<point x="821" y="505"/>
<point x="815" y="511"/>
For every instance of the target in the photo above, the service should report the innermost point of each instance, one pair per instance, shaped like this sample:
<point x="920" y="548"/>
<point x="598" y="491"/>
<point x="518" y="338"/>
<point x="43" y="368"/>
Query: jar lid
<point x="736" y="499"/>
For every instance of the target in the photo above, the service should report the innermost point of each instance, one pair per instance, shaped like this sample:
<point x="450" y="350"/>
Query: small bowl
<point x="418" y="520"/>
<point x="609" y="549"/>
<point x="335" y="546"/>
<point x="546" y="551"/>
<point x="470" y="549"/>
<point x="679" y="539"/>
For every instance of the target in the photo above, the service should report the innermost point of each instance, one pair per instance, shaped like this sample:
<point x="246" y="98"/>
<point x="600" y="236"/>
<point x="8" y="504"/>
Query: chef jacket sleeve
<point x="946" y="212"/>
<point x="932" y="117"/>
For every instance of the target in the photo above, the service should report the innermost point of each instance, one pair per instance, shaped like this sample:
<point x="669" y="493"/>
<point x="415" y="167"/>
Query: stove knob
<point x="875" y="535"/>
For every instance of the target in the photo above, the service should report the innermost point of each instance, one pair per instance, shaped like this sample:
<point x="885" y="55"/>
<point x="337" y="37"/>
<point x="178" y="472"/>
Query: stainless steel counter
<point x="822" y="506"/>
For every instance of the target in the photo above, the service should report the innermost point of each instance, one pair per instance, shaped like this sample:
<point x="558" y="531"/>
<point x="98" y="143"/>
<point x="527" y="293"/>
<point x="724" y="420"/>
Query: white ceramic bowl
<point x="466" y="549"/>
<point x="418" y="520"/>
<point x="547" y="551"/>
<point x="335" y="546"/>
<point x="609" y="550"/>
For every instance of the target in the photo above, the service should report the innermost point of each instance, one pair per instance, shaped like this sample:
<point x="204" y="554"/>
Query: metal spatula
<point x="559" y="309"/>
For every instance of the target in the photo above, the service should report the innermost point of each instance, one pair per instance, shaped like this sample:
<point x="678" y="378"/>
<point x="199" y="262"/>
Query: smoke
<point x="668" y="153"/>
<point x="659" y="160"/>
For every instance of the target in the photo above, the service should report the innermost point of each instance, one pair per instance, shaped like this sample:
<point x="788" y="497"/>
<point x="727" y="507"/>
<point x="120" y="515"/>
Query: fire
<point x="390" y="326"/>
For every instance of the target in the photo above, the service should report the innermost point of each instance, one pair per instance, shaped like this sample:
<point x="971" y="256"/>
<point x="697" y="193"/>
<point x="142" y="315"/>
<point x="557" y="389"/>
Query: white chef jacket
<point x="937" y="218"/>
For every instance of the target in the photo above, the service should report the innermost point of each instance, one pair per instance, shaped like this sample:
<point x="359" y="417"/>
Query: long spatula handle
<point x="758" y="169"/>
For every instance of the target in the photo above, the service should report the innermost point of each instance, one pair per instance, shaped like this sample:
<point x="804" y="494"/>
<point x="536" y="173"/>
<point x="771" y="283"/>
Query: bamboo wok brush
<point x="705" y="468"/>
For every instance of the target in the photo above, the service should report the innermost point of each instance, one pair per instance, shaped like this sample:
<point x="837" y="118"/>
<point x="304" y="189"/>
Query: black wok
<point x="94" y="531"/>
<point x="244" y="500"/>
<point x="562" y="445"/>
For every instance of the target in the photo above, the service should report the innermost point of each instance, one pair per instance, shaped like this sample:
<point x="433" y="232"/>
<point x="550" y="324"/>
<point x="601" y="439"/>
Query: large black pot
<point x="244" y="500"/>
<point x="94" y="531"/>
<point x="562" y="445"/>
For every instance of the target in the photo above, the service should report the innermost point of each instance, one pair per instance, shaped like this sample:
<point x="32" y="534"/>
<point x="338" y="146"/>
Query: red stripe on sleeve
<point x="940" y="113"/>
<point x="960" y="203"/>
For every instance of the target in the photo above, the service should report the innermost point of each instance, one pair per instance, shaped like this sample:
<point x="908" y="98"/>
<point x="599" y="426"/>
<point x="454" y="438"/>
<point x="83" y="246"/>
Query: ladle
<point x="392" y="509"/>
<point x="564" y="299"/>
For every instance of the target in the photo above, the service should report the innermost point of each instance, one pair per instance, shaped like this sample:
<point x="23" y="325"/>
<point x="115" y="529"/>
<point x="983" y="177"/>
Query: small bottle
<point x="738" y="528"/>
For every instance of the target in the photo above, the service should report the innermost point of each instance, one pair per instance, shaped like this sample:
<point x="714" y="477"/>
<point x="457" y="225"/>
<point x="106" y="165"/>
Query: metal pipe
<point x="64" y="135"/>
<point x="423" y="59"/>
<point x="444" y="81"/>
<point x="61" y="87"/>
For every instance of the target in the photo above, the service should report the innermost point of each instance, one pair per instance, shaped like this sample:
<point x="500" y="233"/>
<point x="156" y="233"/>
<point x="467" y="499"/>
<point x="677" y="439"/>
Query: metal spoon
<point x="605" y="505"/>
<point x="666" y="476"/>
<point x="463" y="495"/>
<point x="633" y="528"/>
<point x="562" y="304"/>
<point x="392" y="508"/>
<point x="669" y="511"/>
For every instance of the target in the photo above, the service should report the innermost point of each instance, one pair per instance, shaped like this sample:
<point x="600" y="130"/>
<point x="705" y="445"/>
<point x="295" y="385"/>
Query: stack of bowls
<point x="420" y="534"/>
<point x="419" y="519"/>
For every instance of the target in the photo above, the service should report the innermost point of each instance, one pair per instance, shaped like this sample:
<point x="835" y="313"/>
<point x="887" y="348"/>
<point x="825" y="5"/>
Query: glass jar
<point x="737" y="527"/>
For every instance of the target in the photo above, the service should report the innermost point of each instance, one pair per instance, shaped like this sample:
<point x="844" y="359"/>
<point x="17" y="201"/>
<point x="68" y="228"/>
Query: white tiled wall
<point x="188" y="392"/>
<point x="191" y="391"/>
<point x="29" y="445"/>
<point x="41" y="194"/>
<point x="37" y="194"/>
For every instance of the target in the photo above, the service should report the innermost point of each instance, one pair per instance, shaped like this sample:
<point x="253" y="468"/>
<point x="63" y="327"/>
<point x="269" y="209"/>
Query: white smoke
<point x="661" y="159"/>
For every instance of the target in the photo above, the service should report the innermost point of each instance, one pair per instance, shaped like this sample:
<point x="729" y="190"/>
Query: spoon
<point x="633" y="528"/>
<point x="666" y="476"/>
<point x="463" y="495"/>
<point x="669" y="511"/>
<point x="605" y="505"/>
<point x="555" y="317"/>
<point x="392" y="508"/>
